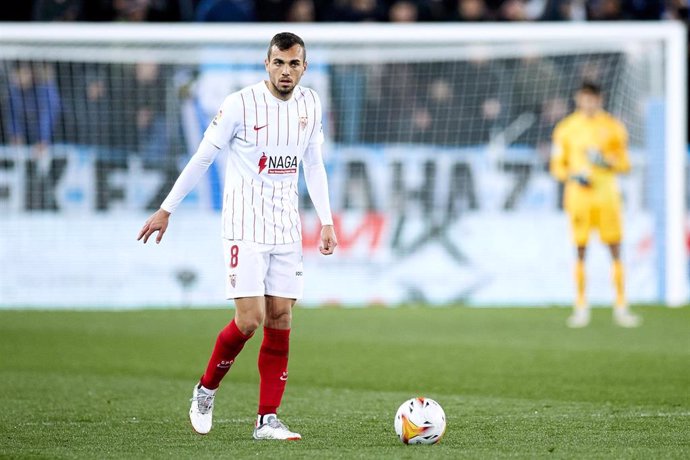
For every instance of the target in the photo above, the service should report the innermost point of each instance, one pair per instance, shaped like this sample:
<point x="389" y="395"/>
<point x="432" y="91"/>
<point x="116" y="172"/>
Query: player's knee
<point x="279" y="318"/>
<point x="249" y="322"/>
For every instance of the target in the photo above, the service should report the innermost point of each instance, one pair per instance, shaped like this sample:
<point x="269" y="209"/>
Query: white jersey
<point x="267" y="138"/>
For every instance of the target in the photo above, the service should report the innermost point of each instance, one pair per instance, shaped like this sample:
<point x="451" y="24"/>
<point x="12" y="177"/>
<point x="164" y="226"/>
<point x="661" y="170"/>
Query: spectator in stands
<point x="130" y="10"/>
<point x="34" y="107"/>
<point x="150" y="114"/>
<point x="404" y="11"/>
<point x="676" y="9"/>
<point x="480" y="106"/>
<point x="390" y="89"/>
<point x="604" y="10"/>
<point x="469" y="11"/>
<point x="87" y="106"/>
<point x="534" y="85"/>
<point x="512" y="10"/>
<point x="439" y="120"/>
<point x="301" y="11"/>
<point x="357" y="11"/>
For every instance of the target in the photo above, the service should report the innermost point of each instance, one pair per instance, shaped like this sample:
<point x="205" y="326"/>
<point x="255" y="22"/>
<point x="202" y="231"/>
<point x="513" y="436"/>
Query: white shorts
<point x="254" y="269"/>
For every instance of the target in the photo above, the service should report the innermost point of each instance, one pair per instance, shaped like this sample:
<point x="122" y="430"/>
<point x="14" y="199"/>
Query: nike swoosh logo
<point x="256" y="128"/>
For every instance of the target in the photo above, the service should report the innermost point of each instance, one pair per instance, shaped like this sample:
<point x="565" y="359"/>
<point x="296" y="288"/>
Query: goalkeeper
<point x="589" y="150"/>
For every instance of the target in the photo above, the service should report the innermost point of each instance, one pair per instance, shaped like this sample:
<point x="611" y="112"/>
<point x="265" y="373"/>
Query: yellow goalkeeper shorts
<point x="606" y="218"/>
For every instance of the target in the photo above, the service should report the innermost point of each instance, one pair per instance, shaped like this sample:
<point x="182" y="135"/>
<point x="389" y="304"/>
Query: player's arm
<point x="614" y="157"/>
<point x="189" y="177"/>
<point x="218" y="134"/>
<point x="619" y="159"/>
<point x="317" y="185"/>
<point x="558" y="165"/>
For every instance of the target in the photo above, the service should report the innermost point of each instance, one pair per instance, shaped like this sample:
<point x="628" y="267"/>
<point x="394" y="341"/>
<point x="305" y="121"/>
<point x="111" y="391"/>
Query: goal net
<point x="438" y="142"/>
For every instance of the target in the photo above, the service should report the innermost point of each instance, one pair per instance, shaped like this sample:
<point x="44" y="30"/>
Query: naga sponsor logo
<point x="280" y="164"/>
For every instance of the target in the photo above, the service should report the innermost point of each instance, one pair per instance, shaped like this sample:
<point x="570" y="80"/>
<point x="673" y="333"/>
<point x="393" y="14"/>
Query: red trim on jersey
<point x="262" y="211"/>
<point x="254" y="214"/>
<point x="287" y="120"/>
<point x="225" y="206"/>
<point x="282" y="208"/>
<point x="298" y="130"/>
<point x="315" y="120"/>
<point x="232" y="220"/>
<point x="278" y="120"/>
<point x="267" y="127"/>
<point x="275" y="235"/>
<point x="256" y="117"/>
<point x="244" y="115"/>
<point x="293" y="224"/>
<point x="242" y="192"/>
<point x="304" y="101"/>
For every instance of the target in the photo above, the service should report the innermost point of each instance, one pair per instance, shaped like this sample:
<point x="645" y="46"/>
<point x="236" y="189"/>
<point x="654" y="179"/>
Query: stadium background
<point x="428" y="209"/>
<point x="514" y="382"/>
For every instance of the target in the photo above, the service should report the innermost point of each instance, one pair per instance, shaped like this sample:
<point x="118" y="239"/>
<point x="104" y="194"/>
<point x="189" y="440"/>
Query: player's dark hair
<point x="590" y="87"/>
<point x="286" y="40"/>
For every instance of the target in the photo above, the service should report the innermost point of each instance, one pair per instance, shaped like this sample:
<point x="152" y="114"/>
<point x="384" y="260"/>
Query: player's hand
<point x="158" y="222"/>
<point x="598" y="159"/>
<point x="328" y="240"/>
<point x="581" y="179"/>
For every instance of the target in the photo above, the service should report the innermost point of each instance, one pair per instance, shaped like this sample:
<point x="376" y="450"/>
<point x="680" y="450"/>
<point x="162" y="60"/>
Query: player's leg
<point x="611" y="231"/>
<point x="581" y="313"/>
<point x="229" y="343"/>
<point x="283" y="288"/>
<point x="246" y="266"/>
<point x="580" y="220"/>
<point x="617" y="275"/>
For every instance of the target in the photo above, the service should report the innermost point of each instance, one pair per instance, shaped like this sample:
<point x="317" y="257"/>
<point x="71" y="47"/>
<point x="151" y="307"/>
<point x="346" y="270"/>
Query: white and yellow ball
<point x="420" y="421"/>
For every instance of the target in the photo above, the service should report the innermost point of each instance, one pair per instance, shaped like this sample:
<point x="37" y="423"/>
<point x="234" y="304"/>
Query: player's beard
<point x="285" y="91"/>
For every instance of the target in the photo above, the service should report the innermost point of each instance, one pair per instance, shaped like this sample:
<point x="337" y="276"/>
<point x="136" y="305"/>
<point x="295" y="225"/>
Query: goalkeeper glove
<point x="598" y="159"/>
<point x="581" y="179"/>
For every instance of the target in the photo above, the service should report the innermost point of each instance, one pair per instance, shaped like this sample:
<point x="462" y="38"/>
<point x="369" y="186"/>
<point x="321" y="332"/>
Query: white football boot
<point x="580" y="318"/>
<point x="201" y="412"/>
<point x="273" y="428"/>
<point x="623" y="317"/>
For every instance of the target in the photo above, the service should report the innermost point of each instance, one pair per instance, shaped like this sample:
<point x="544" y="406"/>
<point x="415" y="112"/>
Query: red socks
<point x="273" y="361"/>
<point x="228" y="345"/>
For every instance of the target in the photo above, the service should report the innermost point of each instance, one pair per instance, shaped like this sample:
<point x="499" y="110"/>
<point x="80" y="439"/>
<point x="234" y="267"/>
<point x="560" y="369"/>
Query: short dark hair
<point x="286" y="40"/>
<point x="590" y="87"/>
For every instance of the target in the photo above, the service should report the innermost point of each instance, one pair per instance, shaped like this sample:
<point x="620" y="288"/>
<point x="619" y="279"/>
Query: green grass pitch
<point x="513" y="383"/>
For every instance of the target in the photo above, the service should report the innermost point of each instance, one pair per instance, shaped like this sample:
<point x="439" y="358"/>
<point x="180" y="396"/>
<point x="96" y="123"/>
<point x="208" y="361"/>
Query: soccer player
<point x="589" y="150"/>
<point x="266" y="130"/>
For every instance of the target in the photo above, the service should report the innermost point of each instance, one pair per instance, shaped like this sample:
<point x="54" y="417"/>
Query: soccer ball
<point x="420" y="421"/>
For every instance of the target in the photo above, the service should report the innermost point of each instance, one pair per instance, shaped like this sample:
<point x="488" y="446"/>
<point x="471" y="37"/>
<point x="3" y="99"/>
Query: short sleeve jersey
<point x="266" y="138"/>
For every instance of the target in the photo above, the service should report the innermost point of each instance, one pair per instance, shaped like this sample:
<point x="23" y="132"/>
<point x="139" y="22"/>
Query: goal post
<point x="437" y="139"/>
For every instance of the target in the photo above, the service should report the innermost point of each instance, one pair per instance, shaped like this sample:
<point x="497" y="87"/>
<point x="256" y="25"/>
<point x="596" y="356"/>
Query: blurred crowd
<point x="343" y="10"/>
<point x="134" y="110"/>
